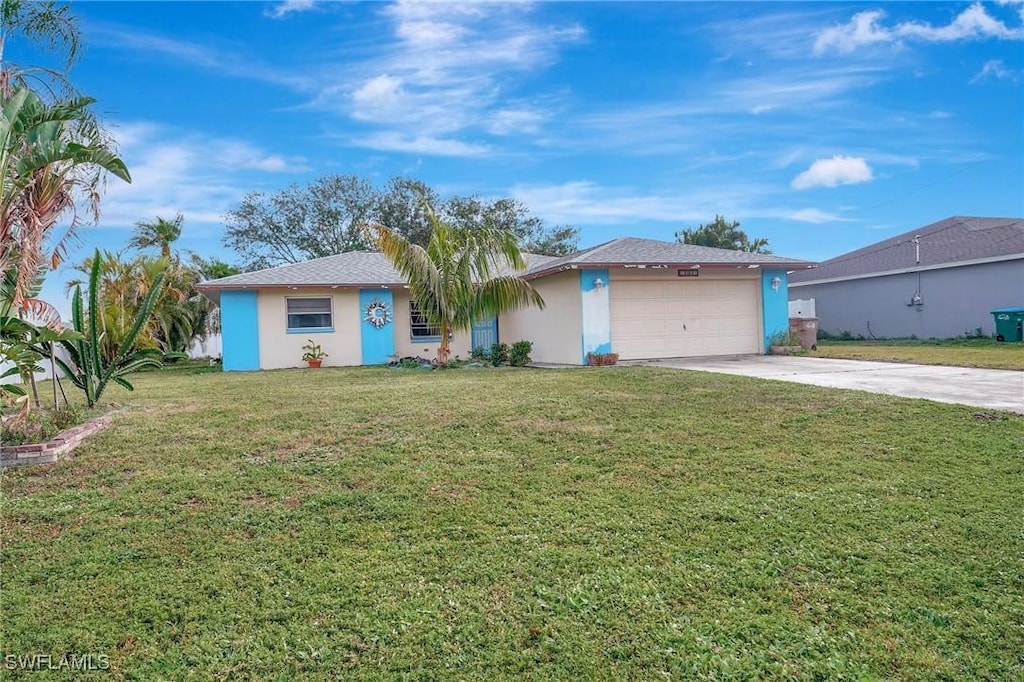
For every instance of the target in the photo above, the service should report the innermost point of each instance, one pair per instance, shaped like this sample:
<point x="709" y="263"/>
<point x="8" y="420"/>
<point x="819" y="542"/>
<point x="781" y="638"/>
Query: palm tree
<point x="160" y="232"/>
<point x="179" y="316"/>
<point x="723" y="234"/>
<point x="46" y="25"/>
<point x="45" y="163"/>
<point x="454" y="279"/>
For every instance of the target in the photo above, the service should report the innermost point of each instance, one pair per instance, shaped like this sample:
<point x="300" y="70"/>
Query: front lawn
<point x="605" y="523"/>
<point x="986" y="353"/>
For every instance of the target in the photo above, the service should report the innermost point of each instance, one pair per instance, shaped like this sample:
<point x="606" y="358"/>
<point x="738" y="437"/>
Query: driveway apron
<point x="995" y="389"/>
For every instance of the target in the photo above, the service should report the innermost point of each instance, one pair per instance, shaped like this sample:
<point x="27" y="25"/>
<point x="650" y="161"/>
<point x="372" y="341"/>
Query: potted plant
<point x="314" y="354"/>
<point x="602" y="359"/>
<point x="785" y="343"/>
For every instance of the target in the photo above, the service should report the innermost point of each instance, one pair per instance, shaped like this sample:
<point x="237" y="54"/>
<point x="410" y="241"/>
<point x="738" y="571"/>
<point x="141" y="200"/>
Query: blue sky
<point x="822" y="126"/>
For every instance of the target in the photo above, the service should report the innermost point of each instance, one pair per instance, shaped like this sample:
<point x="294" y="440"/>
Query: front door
<point x="485" y="334"/>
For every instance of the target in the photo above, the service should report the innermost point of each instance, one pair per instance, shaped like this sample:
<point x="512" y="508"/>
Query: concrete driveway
<point x="995" y="389"/>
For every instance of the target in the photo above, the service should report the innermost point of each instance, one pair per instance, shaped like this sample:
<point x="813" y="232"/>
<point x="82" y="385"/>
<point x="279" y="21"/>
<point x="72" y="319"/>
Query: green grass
<point x="986" y="353"/>
<point x="607" y="523"/>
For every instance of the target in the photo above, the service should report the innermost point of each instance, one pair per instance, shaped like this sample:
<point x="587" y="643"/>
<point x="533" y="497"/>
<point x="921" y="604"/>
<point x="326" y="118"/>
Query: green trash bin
<point x="1009" y="324"/>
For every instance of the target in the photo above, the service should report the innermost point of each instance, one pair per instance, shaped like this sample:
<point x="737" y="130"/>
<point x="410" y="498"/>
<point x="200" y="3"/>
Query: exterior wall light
<point x="776" y="283"/>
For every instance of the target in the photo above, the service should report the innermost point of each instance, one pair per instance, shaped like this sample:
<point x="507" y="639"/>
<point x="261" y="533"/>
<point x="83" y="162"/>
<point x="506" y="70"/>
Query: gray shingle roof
<point x="636" y="251"/>
<point x="354" y="268"/>
<point x="358" y="268"/>
<point x="952" y="240"/>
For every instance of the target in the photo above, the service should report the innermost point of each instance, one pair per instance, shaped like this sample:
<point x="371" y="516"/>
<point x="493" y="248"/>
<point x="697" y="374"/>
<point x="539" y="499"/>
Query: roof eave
<point x="916" y="268"/>
<point x="774" y="265"/>
<point x="211" y="287"/>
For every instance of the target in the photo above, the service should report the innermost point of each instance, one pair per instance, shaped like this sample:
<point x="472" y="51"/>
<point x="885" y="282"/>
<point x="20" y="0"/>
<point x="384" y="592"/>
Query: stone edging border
<point x="63" y="443"/>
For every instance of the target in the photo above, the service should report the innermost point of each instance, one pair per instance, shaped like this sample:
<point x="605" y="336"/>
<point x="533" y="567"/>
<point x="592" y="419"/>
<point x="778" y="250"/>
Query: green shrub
<point x="66" y="416"/>
<point x="499" y="354"/>
<point x="479" y="354"/>
<point x="519" y="355"/>
<point x="786" y="338"/>
<point x="40" y="426"/>
<point x="842" y="335"/>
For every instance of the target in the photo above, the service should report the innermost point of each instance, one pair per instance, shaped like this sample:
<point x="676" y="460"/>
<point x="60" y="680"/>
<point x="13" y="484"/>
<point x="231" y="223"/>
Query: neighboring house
<point x="938" y="281"/>
<point x="640" y="298"/>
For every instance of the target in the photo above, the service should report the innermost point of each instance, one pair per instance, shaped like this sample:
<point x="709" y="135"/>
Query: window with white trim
<point x="419" y="328"/>
<point x="310" y="313"/>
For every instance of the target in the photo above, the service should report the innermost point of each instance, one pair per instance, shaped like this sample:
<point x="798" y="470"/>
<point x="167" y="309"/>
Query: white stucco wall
<point x="279" y="349"/>
<point x="557" y="330"/>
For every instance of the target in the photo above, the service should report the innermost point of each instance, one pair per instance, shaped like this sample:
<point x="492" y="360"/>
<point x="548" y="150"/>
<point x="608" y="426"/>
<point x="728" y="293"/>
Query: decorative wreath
<point x="378" y="314"/>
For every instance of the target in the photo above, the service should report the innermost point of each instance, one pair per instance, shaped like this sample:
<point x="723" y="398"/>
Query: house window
<point x="309" y="314"/>
<point x="420" y="329"/>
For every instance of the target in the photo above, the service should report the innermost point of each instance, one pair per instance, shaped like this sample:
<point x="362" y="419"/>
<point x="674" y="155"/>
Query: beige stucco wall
<point x="279" y="349"/>
<point x="557" y="330"/>
<point x="404" y="345"/>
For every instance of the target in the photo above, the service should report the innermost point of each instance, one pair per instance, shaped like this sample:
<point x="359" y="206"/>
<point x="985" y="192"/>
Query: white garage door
<point x="670" y="318"/>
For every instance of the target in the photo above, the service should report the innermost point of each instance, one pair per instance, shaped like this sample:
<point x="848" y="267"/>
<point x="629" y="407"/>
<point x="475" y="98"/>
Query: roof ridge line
<point x="594" y="249"/>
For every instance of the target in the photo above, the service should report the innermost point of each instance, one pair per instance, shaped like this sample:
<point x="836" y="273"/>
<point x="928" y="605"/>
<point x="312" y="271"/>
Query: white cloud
<point x="515" y="120"/>
<point x="862" y="29"/>
<point x="428" y="32"/>
<point x="282" y="9"/>
<point x="230" y="62"/>
<point x="995" y="69"/>
<point x="674" y="127"/>
<point x="433" y="74"/>
<point x="582" y="201"/>
<point x="866" y="28"/>
<point x="781" y="32"/>
<point x="1010" y="3"/>
<point x="443" y="74"/>
<point x="378" y="97"/>
<point x="585" y="202"/>
<point x="839" y="170"/>
<point x="394" y="141"/>
<point x="239" y="156"/>
<point x="200" y="176"/>
<point x="889" y="159"/>
<point x="794" y="88"/>
<point x="814" y="216"/>
<point x="588" y="203"/>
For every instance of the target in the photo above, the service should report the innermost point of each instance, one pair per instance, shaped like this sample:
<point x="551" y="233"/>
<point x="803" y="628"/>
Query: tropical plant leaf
<point x="121" y="381"/>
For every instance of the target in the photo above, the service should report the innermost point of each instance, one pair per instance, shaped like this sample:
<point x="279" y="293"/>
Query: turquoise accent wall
<point x="774" y="305"/>
<point x="377" y="344"/>
<point x="596" y="312"/>
<point x="240" y="331"/>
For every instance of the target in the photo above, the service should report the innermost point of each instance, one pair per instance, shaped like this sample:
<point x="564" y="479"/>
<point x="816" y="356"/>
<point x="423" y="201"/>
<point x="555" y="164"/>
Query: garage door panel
<point x="653" y="319"/>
